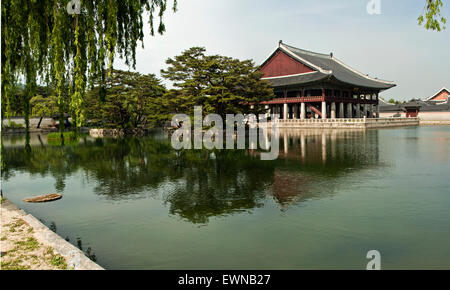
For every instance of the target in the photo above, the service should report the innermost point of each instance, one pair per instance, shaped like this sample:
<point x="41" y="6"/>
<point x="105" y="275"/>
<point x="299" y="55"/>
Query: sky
<point x="390" y="45"/>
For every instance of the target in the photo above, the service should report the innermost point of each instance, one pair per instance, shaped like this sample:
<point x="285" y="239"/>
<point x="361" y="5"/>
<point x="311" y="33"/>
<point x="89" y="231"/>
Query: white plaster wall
<point x="391" y="115"/>
<point x="46" y="122"/>
<point x="425" y="116"/>
<point x="434" y="116"/>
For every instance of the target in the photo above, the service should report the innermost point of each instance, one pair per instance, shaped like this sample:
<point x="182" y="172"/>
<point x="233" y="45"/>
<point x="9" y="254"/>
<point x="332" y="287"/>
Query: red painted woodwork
<point x="314" y="109"/>
<point x="281" y="64"/>
<point x="316" y="99"/>
<point x="412" y="113"/>
<point x="293" y="100"/>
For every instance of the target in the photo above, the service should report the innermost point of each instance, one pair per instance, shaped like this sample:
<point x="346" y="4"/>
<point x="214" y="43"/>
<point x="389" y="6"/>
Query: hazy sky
<point x="389" y="46"/>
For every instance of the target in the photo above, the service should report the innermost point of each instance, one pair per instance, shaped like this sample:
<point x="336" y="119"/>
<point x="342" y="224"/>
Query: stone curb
<point x="75" y="257"/>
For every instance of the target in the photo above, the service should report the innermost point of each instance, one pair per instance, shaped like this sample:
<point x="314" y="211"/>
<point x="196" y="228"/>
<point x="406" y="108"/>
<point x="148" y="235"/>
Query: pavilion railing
<point x="346" y="120"/>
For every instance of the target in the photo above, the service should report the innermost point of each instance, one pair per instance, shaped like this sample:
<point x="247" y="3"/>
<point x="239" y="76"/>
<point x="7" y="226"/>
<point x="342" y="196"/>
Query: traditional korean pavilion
<point x="315" y="85"/>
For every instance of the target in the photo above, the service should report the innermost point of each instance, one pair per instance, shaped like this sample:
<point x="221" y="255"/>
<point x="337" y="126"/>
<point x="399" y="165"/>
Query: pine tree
<point x="220" y="84"/>
<point x="131" y="101"/>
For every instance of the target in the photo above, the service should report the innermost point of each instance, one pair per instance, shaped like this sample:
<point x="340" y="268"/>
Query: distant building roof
<point x="387" y="107"/>
<point x="441" y="96"/>
<point x="433" y="107"/>
<point x="325" y="66"/>
<point x="413" y="103"/>
<point x="423" y="106"/>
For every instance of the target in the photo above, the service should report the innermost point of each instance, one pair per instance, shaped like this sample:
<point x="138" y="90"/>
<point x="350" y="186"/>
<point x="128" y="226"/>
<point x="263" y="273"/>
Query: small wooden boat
<point x="44" y="198"/>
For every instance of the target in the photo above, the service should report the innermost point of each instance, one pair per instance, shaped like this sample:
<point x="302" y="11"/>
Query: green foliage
<point x="220" y="84"/>
<point x="432" y="18"/>
<point x="42" y="42"/>
<point x="58" y="261"/>
<point x="392" y="101"/>
<point x="13" y="105"/>
<point x="132" y="100"/>
<point x="70" y="138"/>
<point x="44" y="106"/>
<point x="125" y="168"/>
<point x="29" y="244"/>
<point x="67" y="135"/>
<point x="13" y="125"/>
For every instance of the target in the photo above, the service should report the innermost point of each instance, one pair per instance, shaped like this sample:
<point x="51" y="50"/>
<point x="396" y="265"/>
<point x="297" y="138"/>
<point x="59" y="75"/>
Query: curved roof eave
<point x="341" y="71"/>
<point x="378" y="87"/>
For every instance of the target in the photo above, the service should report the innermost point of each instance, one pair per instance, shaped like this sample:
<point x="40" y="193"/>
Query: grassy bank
<point x="22" y="251"/>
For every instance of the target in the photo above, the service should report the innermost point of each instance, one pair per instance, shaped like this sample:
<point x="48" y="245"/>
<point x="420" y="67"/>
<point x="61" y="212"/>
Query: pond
<point x="329" y="198"/>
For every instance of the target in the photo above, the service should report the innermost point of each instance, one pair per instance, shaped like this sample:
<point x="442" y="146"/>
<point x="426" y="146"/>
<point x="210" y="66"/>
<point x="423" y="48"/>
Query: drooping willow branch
<point x="432" y="18"/>
<point x="42" y="41"/>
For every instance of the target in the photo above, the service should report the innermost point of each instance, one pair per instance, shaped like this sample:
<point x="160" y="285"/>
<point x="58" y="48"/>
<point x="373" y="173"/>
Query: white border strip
<point x="287" y="76"/>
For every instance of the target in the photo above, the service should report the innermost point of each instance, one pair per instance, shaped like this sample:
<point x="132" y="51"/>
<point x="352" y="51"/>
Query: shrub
<point x="13" y="125"/>
<point x="66" y="135"/>
<point x="70" y="138"/>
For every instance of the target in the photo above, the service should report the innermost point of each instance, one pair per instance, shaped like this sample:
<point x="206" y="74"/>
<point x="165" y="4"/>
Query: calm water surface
<point x="330" y="198"/>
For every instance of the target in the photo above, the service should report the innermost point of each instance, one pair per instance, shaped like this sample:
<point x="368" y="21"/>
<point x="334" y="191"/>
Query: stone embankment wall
<point x="46" y="122"/>
<point x="75" y="257"/>
<point x="99" y="133"/>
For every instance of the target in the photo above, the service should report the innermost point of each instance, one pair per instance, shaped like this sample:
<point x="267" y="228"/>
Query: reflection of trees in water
<point x="40" y="161"/>
<point x="53" y="227"/>
<point x="199" y="184"/>
<point x="221" y="183"/>
<point x="88" y="252"/>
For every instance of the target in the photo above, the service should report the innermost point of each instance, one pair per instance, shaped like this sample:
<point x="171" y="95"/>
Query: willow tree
<point x="432" y="18"/>
<point x="68" y="44"/>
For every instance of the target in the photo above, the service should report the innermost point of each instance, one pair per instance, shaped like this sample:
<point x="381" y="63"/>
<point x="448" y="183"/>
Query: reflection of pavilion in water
<point x="329" y="146"/>
<point x="290" y="187"/>
<point x="309" y="157"/>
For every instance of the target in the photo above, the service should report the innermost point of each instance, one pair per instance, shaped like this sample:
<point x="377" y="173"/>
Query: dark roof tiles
<point x="326" y="66"/>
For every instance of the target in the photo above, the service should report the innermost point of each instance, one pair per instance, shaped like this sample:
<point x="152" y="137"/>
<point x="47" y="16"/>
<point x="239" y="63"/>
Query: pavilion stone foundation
<point x="355" y="123"/>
